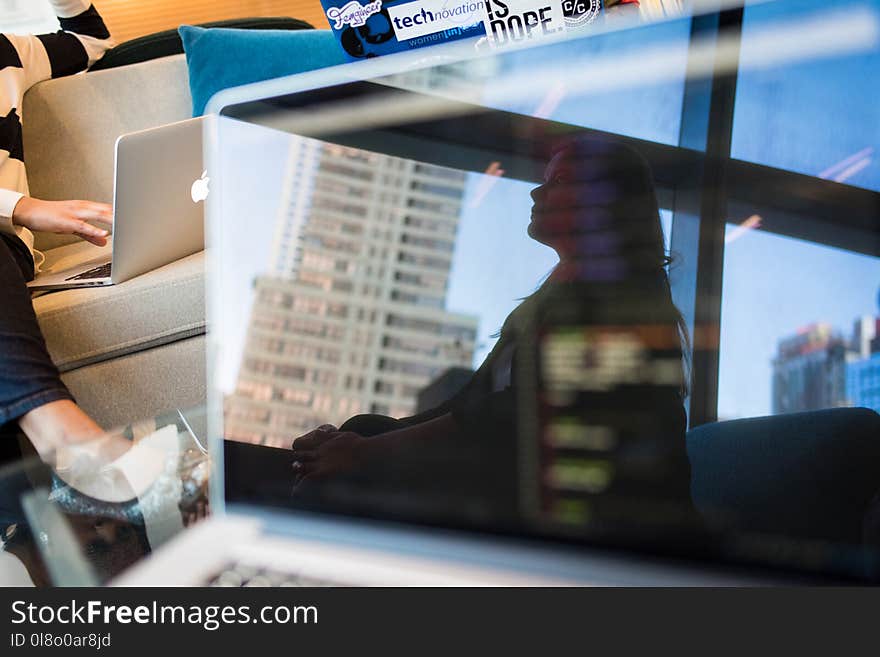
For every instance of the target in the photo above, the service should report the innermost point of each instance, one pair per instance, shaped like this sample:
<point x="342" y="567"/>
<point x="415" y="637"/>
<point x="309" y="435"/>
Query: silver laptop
<point x="279" y="371"/>
<point x="160" y="185"/>
<point x="362" y="284"/>
<point x="393" y="232"/>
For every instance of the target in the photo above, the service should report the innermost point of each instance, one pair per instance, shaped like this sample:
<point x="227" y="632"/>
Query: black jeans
<point x="28" y="377"/>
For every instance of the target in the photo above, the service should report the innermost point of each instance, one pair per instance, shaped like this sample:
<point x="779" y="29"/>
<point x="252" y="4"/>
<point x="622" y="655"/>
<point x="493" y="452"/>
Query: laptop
<point x="159" y="189"/>
<point x="441" y="365"/>
<point x="364" y="289"/>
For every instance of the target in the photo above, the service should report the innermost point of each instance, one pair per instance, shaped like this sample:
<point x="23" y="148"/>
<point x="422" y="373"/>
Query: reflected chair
<point x="809" y="475"/>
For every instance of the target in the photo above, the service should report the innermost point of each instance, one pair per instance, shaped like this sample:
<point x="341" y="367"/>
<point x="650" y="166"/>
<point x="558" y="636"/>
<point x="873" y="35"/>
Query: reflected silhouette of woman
<point x="598" y="210"/>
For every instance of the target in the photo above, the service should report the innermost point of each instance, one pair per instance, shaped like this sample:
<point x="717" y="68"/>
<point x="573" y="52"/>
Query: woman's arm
<point x="82" y="40"/>
<point x="24" y="61"/>
<point x="326" y="452"/>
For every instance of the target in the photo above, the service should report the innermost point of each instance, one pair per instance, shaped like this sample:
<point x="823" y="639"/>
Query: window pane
<point x="600" y="82"/>
<point x="649" y="109"/>
<point x="817" y="117"/>
<point x="796" y="316"/>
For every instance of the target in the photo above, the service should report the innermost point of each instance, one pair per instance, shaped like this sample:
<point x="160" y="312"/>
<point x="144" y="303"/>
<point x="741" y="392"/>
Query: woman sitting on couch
<point x="31" y="391"/>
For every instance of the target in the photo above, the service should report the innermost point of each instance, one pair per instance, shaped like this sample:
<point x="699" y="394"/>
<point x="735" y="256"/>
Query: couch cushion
<point x="223" y="58"/>
<point x="167" y="42"/>
<point x="92" y="325"/>
<point x="71" y="126"/>
<point x="142" y="385"/>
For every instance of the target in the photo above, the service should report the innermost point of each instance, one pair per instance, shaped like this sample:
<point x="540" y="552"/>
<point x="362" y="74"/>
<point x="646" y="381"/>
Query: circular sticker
<point x="580" y="12"/>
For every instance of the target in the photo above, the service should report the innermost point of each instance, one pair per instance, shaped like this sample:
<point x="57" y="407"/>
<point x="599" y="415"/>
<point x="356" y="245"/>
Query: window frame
<point x="790" y="204"/>
<point x="697" y="179"/>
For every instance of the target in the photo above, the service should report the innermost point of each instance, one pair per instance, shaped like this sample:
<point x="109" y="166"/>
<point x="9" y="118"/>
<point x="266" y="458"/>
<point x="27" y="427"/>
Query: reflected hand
<point x="324" y="452"/>
<point x="64" y="217"/>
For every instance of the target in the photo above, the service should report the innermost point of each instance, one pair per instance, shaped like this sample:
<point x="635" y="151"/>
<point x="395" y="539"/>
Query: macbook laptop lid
<point x="160" y="186"/>
<point x="464" y="297"/>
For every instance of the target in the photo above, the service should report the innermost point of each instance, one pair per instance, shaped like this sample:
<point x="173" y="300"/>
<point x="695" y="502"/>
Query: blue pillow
<point x="220" y="58"/>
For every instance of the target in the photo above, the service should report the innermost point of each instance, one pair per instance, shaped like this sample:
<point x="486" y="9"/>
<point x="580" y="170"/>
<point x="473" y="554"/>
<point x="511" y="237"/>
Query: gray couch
<point x="135" y="350"/>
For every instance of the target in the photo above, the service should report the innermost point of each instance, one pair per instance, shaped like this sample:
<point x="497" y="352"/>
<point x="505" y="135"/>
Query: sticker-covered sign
<point x="380" y="28"/>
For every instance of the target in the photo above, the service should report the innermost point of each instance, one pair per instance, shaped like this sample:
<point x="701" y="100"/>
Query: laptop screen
<point x="469" y="296"/>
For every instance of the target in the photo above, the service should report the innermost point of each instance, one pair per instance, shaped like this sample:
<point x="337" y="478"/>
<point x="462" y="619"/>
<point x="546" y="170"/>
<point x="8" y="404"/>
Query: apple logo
<point x="200" y="188"/>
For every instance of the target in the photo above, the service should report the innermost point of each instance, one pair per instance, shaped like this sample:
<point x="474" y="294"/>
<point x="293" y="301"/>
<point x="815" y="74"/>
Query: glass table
<point x="104" y="504"/>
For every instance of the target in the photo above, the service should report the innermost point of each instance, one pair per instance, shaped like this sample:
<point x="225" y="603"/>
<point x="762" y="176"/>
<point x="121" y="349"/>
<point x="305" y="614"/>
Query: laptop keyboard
<point x="238" y="575"/>
<point x="101" y="271"/>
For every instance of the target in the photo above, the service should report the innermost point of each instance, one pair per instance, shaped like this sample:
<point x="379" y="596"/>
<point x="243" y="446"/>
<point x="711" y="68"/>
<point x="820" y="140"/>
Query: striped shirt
<point x="25" y="61"/>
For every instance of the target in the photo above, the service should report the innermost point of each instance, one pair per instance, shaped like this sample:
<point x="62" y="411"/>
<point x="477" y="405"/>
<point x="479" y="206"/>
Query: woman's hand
<point x="324" y="452"/>
<point x="65" y="217"/>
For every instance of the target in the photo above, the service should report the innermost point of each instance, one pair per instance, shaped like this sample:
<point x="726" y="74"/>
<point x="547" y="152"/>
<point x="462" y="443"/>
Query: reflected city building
<point x="351" y="316"/>
<point x="819" y="367"/>
<point x="809" y="371"/>
<point x="863" y="363"/>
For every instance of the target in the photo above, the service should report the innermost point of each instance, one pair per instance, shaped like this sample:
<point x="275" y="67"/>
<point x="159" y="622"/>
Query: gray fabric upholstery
<point x="71" y="126"/>
<point x="91" y="325"/>
<point x="128" y="352"/>
<point x="142" y="385"/>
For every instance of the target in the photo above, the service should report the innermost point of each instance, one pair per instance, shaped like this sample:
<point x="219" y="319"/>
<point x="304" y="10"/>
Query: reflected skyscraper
<point x="809" y="370"/>
<point x="818" y="368"/>
<point x="863" y="366"/>
<point x="352" y="317"/>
